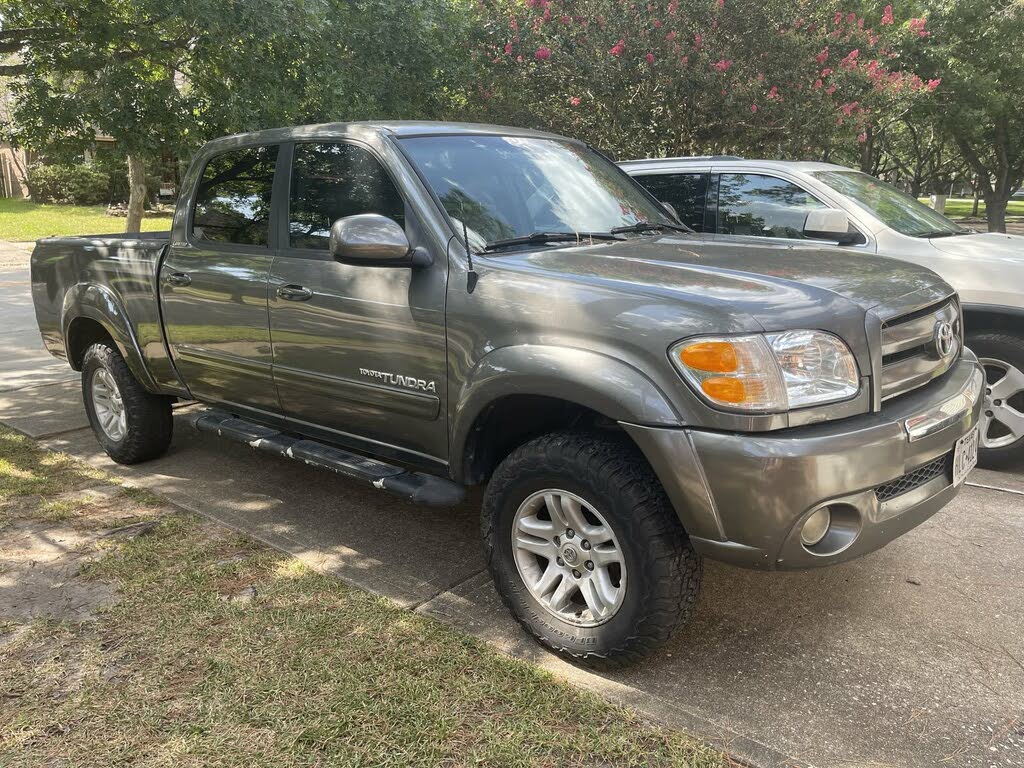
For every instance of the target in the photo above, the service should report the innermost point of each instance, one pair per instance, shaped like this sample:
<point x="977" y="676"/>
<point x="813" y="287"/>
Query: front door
<point x="358" y="350"/>
<point x="213" y="286"/>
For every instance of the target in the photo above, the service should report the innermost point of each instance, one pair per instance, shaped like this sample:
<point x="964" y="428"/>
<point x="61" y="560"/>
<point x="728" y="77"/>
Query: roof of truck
<point x="404" y="128"/>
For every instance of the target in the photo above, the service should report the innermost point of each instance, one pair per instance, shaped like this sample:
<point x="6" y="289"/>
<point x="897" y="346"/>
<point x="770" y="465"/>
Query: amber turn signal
<point x="724" y="389"/>
<point x="711" y="356"/>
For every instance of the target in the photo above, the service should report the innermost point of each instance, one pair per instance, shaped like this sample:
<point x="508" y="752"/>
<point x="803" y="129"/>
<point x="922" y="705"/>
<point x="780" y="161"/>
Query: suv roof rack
<point x="690" y="157"/>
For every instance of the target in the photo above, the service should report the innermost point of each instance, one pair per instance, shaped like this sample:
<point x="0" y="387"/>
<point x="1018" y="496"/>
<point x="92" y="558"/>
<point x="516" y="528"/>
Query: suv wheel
<point x="1002" y="417"/>
<point x="585" y="548"/>
<point x="130" y="423"/>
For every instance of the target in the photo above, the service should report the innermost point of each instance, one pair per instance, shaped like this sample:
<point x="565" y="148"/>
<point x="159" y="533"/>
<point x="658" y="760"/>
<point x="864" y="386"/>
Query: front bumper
<point x="744" y="497"/>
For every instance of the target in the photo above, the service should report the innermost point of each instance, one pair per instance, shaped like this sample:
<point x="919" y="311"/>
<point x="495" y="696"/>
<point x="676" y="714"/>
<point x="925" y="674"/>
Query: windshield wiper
<point x="539" y="238"/>
<point x="650" y="226"/>
<point x="944" y="233"/>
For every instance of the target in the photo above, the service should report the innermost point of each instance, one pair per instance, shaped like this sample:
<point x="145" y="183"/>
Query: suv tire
<point x="605" y="478"/>
<point x="131" y="424"/>
<point x="1002" y="354"/>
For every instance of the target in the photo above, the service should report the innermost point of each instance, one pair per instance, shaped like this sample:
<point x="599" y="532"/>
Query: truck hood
<point x="988" y="246"/>
<point x="776" y="285"/>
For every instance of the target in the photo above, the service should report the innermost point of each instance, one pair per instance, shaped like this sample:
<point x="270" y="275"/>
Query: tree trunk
<point x="136" y="194"/>
<point x="995" y="213"/>
<point x="977" y="198"/>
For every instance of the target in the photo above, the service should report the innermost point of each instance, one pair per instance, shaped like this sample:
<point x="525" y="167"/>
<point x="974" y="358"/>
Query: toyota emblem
<point x="945" y="338"/>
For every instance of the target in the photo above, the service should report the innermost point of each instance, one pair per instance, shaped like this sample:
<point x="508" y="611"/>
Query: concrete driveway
<point x="911" y="656"/>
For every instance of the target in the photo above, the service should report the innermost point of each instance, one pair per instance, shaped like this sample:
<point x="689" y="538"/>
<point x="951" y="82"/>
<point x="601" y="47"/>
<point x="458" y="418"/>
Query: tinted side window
<point x="686" y="192"/>
<point x="233" y="199"/>
<point x="762" y="206"/>
<point x="331" y="181"/>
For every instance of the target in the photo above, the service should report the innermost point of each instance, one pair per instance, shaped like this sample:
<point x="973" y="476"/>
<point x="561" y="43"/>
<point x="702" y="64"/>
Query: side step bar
<point x="417" y="487"/>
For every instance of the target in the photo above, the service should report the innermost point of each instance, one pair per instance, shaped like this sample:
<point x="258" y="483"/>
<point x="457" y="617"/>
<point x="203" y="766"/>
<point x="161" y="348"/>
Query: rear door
<point x="358" y="350"/>
<point x="214" y="284"/>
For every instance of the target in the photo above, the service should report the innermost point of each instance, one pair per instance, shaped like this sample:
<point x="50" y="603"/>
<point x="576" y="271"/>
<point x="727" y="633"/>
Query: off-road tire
<point x="148" y="416"/>
<point x="1009" y="348"/>
<point x="664" y="572"/>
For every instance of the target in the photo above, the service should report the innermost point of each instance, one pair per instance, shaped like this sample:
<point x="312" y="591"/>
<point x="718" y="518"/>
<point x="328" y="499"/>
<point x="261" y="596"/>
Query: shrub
<point x="116" y="170"/>
<point x="80" y="184"/>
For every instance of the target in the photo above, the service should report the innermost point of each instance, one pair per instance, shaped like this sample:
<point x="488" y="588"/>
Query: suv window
<point x="334" y="180"/>
<point x="233" y="199"/>
<point x="762" y="206"/>
<point x="686" y="192"/>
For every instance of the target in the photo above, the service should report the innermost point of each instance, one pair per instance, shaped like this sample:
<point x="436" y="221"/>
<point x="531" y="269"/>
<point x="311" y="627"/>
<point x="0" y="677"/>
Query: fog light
<point x="815" y="527"/>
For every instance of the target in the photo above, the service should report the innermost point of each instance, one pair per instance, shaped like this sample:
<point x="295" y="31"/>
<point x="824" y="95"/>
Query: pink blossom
<point x="917" y="25"/>
<point x="860" y="23"/>
<point x="849" y="107"/>
<point x="508" y="49"/>
<point x="671" y="36"/>
<point x="684" y="60"/>
<point x="862" y="138"/>
<point x="519" y="59"/>
<point x="657" y="24"/>
<point x="697" y="40"/>
<point x="566" y="19"/>
<point x="851" y="17"/>
<point x="514" y="25"/>
<point x="723" y="65"/>
<point x="830" y="90"/>
<point x="721" y="3"/>
<point x="933" y="84"/>
<point x="887" y="16"/>
<point x="673" y="7"/>
<point x="850" y="60"/>
<point x="714" y="23"/>
<point x="827" y="71"/>
<point x="818" y="83"/>
<point x="822" y="57"/>
<point x="798" y="23"/>
<point x="543" y="53"/>
<point x="575" y="101"/>
<point x="838" y="18"/>
<point x="618" y="48"/>
<point x="773" y="93"/>
<point x="753" y="107"/>
<point x="650" y="58"/>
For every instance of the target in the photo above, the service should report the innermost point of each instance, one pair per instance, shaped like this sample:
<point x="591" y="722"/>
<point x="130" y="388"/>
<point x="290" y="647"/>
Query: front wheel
<point x="130" y="423"/>
<point x="1002" y="417"/>
<point x="586" y="550"/>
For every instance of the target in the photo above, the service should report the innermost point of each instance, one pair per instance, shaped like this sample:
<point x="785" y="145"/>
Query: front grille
<point x="916" y="478"/>
<point x="912" y="353"/>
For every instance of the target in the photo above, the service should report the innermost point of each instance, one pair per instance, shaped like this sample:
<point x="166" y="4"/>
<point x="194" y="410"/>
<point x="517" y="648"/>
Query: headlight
<point x="770" y="372"/>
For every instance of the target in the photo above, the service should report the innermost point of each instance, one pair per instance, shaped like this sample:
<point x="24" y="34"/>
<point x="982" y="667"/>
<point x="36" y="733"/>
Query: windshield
<point x="896" y="209"/>
<point x="504" y="187"/>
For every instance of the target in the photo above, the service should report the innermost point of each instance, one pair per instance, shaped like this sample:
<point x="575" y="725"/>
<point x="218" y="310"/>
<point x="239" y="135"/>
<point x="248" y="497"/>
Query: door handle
<point x="294" y="293"/>
<point x="178" y="278"/>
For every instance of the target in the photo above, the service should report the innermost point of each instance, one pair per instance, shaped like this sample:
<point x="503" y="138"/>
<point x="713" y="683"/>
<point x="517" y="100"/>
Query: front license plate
<point x="965" y="456"/>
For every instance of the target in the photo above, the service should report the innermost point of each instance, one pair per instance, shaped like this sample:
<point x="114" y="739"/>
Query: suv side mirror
<point x="671" y="209"/>
<point x="829" y="224"/>
<point x="374" y="241"/>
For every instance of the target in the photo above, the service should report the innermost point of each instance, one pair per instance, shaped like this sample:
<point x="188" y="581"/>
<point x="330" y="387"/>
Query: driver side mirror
<point x="671" y="209"/>
<point x="829" y="224"/>
<point x="373" y="240"/>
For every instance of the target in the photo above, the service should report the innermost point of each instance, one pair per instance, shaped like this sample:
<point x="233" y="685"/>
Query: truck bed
<point x="111" y="279"/>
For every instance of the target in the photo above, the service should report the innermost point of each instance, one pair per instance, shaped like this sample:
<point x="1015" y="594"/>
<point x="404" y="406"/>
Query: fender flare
<point x="100" y="304"/>
<point x="590" y="379"/>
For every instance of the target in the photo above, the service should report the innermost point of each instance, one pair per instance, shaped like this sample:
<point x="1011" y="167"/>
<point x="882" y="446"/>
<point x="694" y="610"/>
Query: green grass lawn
<point x="22" y="220"/>
<point x="962" y="207"/>
<point x="217" y="651"/>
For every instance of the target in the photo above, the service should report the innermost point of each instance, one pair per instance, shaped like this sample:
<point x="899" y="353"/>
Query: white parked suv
<point x="741" y="200"/>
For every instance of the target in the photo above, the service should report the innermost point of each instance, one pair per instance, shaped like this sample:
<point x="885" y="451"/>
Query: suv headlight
<point x="768" y="372"/>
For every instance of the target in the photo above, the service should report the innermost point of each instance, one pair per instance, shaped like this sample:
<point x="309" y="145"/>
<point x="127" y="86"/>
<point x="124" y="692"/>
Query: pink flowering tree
<point x="777" y="78"/>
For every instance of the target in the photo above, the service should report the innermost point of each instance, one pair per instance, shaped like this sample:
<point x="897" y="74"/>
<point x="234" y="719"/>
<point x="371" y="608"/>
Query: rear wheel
<point x="585" y="548"/>
<point x="130" y="423"/>
<point x="1002" y="417"/>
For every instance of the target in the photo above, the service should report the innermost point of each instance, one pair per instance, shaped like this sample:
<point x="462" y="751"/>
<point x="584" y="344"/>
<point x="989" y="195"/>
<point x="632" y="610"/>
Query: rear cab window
<point x="232" y="203"/>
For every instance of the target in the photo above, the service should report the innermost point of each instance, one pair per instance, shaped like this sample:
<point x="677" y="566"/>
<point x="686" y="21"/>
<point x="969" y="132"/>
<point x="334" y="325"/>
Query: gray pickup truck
<point x="426" y="307"/>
